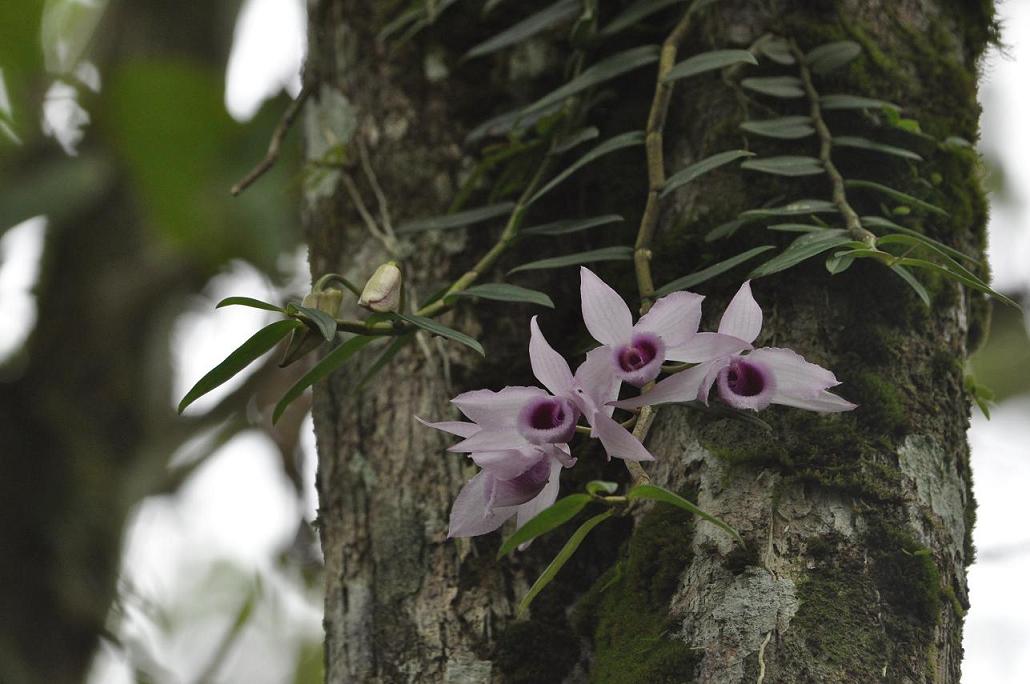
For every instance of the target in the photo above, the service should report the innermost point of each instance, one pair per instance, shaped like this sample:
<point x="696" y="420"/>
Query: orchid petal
<point x="674" y="318"/>
<point x="617" y="440"/>
<point x="508" y="463"/>
<point x="454" y="427"/>
<point x="605" y="313"/>
<point x="596" y="377"/>
<point x="496" y="409"/>
<point x="491" y="440"/>
<point x="824" y="402"/>
<point x="471" y="515"/>
<point x="519" y="490"/>
<point x="794" y="376"/>
<point x="549" y="367"/>
<point x="547" y="496"/>
<point x="561" y="453"/>
<point x="682" y="386"/>
<point x="743" y="316"/>
<point x="706" y="346"/>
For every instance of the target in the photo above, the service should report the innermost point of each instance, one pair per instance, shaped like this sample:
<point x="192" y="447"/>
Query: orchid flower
<point x="513" y="482"/>
<point x="668" y="331"/>
<point x="749" y="378"/>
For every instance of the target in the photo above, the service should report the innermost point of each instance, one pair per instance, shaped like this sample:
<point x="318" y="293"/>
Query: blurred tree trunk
<point x="857" y="526"/>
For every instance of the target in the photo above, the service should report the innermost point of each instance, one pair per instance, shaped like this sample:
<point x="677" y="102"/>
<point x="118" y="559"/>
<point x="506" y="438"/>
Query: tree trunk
<point x="857" y="526"/>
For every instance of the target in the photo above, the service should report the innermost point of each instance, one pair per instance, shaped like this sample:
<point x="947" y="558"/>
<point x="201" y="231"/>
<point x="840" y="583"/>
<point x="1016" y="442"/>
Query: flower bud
<point x="383" y="290"/>
<point x="328" y="301"/>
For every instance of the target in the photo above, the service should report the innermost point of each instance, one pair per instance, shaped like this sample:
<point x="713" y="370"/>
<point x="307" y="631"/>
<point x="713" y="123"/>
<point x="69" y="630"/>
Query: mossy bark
<point x="857" y="525"/>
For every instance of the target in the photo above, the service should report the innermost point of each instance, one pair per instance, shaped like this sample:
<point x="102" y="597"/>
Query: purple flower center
<point x="548" y="420"/>
<point x="746" y="384"/>
<point x="522" y="488"/>
<point x="640" y="361"/>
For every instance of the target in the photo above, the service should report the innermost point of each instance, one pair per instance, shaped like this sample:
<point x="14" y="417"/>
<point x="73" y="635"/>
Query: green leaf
<point x="458" y="220"/>
<point x="919" y="241"/>
<point x="709" y="61"/>
<point x="635" y="13"/>
<point x="527" y="28"/>
<point x="723" y="230"/>
<point x="655" y="493"/>
<point x="854" y="102"/>
<point x="248" y="301"/>
<point x="392" y="349"/>
<point x="571" y="225"/>
<point x="325" y="323"/>
<point x="839" y="262"/>
<point x="785" y="165"/>
<point x="804" y="247"/>
<point x="973" y="283"/>
<point x="710" y="272"/>
<point x="503" y="292"/>
<point x="880" y="222"/>
<point x="783" y="128"/>
<point x="796" y="208"/>
<point x="320" y="371"/>
<point x="907" y="276"/>
<point x="896" y="195"/>
<point x="259" y="343"/>
<point x="826" y="58"/>
<point x="864" y="144"/>
<point x="563" y="556"/>
<point x="556" y="515"/>
<point x="776" y="49"/>
<point x="605" y="70"/>
<point x="697" y="169"/>
<point x="601" y="487"/>
<point x="776" y="86"/>
<point x="503" y="124"/>
<point x="429" y="325"/>
<point x="630" y="139"/>
<point x="594" y="255"/>
<point x="796" y="227"/>
<point x="579" y="137"/>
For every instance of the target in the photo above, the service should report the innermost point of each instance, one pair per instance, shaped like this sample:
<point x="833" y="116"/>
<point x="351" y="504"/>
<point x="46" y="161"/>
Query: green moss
<point x="882" y="407"/>
<point x="533" y="651"/>
<point x="626" y="613"/>
<point x="907" y="578"/>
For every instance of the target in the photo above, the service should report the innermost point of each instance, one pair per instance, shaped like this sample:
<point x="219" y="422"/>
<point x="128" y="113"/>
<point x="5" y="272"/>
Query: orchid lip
<point x="548" y="420"/>
<point x="522" y="488"/>
<point x="746" y="384"/>
<point x="640" y="361"/>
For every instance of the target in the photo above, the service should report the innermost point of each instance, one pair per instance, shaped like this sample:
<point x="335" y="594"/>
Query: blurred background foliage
<point x="117" y="152"/>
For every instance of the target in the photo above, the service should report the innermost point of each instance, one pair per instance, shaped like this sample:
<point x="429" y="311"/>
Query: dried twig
<point x="278" y="135"/>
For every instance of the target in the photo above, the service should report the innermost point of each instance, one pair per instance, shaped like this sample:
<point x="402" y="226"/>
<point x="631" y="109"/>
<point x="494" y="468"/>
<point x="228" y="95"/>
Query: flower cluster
<point x="519" y="436"/>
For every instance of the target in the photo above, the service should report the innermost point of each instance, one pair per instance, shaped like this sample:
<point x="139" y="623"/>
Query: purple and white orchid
<point x="667" y="332"/>
<point x="749" y="378"/>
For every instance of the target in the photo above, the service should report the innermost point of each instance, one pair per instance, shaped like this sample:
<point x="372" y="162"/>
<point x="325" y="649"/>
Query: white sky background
<point x="240" y="510"/>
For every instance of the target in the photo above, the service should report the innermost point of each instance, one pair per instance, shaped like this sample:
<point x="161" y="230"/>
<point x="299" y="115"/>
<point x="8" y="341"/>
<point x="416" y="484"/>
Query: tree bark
<point x="857" y="526"/>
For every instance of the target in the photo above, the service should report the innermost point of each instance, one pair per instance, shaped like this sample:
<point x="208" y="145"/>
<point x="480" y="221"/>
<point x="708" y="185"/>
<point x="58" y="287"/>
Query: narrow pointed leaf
<point x="796" y="227"/>
<point x="854" y="102"/>
<point x="655" y="493"/>
<point x="865" y="144"/>
<point x="838" y="263"/>
<point x="636" y="13"/>
<point x="429" y="325"/>
<point x="325" y="323"/>
<point x="619" y="142"/>
<point x="973" y="283"/>
<point x="826" y="58"/>
<point x="563" y="556"/>
<point x="258" y="343"/>
<point x="896" y="195"/>
<point x="913" y="282"/>
<point x="503" y="292"/>
<point x="571" y="225"/>
<point x="248" y="301"/>
<point x="921" y="242"/>
<point x="776" y="86"/>
<point x="795" y="208"/>
<point x="605" y="70"/>
<point x="776" y="49"/>
<point x="527" y="28"/>
<point x="710" y="272"/>
<point x="594" y="255"/>
<point x="392" y="349"/>
<point x="459" y="219"/>
<point x="783" y="128"/>
<point x="577" y="138"/>
<point x="697" y="169"/>
<point x="880" y="222"/>
<point x="804" y="247"/>
<point x="709" y="61"/>
<point x="556" y="515"/>
<point x="601" y="487"/>
<point x="723" y="230"/>
<point x="785" y="166"/>
<point x="320" y="371"/>
<point x="502" y="124"/>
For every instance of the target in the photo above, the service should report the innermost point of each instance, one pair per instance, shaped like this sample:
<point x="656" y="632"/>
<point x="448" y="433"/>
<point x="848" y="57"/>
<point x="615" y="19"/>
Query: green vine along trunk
<point x="857" y="525"/>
